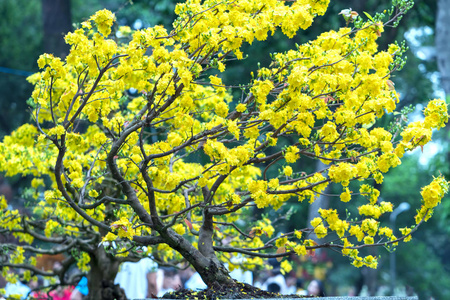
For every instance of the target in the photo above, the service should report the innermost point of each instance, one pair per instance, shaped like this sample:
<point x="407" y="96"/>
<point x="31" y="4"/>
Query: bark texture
<point x="101" y="277"/>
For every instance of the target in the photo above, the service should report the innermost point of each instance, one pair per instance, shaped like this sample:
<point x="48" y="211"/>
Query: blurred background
<point x="31" y="27"/>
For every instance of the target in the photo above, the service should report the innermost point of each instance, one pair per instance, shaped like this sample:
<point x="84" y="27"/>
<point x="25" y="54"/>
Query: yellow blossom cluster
<point x="158" y="163"/>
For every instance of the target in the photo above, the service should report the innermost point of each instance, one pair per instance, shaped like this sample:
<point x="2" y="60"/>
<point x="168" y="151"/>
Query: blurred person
<point x="242" y="276"/>
<point x="171" y="281"/>
<point x="275" y="276"/>
<point x="291" y="287"/>
<point x="34" y="284"/>
<point x="138" y="279"/>
<point x="273" y="287"/>
<point x="316" y="288"/>
<point x="300" y="290"/>
<point x="195" y="282"/>
<point x="20" y="288"/>
<point x="81" y="290"/>
<point x="61" y="292"/>
<point x="185" y="274"/>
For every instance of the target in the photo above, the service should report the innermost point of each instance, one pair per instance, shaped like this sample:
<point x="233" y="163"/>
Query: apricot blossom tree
<point x="176" y="164"/>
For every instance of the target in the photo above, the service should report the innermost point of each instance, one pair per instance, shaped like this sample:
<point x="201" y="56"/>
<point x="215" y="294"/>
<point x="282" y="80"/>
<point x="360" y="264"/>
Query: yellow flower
<point x="109" y="237"/>
<point x="368" y="240"/>
<point x="274" y="183"/>
<point x="339" y="227"/>
<point x="83" y="261"/>
<point x="241" y="107"/>
<point x="300" y="250"/>
<point x="50" y="227"/>
<point x="286" y="267"/>
<point x="291" y="155"/>
<point x="356" y="231"/>
<point x="93" y="193"/>
<point x="221" y="109"/>
<point x="406" y="232"/>
<point x="434" y="192"/>
<point x="179" y="228"/>
<point x="104" y="20"/>
<point x="3" y="203"/>
<point x="329" y="133"/>
<point x="370" y="226"/>
<point x="287" y="171"/>
<point x="346" y="195"/>
<point x="58" y="131"/>
<point x="124" y="228"/>
<point x="321" y="231"/>
<point x="342" y="172"/>
<point x="385" y="231"/>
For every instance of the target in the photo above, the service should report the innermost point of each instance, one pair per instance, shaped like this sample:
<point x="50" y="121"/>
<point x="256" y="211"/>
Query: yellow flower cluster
<point x="124" y="228"/>
<point x="83" y="262"/>
<point x="324" y="95"/>
<point x="104" y="19"/>
<point x="431" y="197"/>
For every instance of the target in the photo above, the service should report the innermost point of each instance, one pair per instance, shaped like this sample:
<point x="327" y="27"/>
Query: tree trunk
<point x="442" y="38"/>
<point x="203" y="260"/>
<point x="215" y="272"/>
<point x="443" y="42"/>
<point x="57" y="22"/>
<point x="101" y="277"/>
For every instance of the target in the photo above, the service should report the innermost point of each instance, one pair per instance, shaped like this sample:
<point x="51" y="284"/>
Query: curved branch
<point x="29" y="267"/>
<point x="61" y="188"/>
<point x="235" y="227"/>
<point x="105" y="199"/>
<point x="86" y="99"/>
<point x="52" y="251"/>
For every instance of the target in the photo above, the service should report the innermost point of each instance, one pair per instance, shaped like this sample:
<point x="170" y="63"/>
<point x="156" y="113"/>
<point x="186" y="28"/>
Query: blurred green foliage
<point x="424" y="262"/>
<point x="20" y="36"/>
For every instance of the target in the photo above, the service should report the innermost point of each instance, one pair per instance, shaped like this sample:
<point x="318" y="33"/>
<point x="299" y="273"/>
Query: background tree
<point x="57" y="22"/>
<point x="97" y="144"/>
<point x="18" y="55"/>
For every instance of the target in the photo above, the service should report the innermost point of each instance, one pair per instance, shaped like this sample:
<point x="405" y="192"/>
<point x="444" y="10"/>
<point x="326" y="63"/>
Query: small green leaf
<point x="369" y="16"/>
<point x="367" y="126"/>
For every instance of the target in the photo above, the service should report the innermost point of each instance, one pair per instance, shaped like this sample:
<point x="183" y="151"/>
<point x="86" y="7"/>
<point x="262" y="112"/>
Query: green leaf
<point x="369" y="16"/>
<point x="367" y="126"/>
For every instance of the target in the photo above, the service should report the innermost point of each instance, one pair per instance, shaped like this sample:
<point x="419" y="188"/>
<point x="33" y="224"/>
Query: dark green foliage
<point x="20" y="36"/>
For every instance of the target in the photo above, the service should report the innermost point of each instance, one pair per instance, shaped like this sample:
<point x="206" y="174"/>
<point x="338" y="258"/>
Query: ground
<point x="239" y="291"/>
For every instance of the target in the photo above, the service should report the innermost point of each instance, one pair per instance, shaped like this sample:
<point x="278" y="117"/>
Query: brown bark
<point x="215" y="272"/>
<point x="101" y="277"/>
<point x="209" y="267"/>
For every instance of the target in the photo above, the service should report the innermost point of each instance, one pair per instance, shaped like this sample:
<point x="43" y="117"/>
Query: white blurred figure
<point x="18" y="288"/>
<point x="195" y="282"/>
<point x="275" y="276"/>
<point x="138" y="279"/>
<point x="242" y="276"/>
